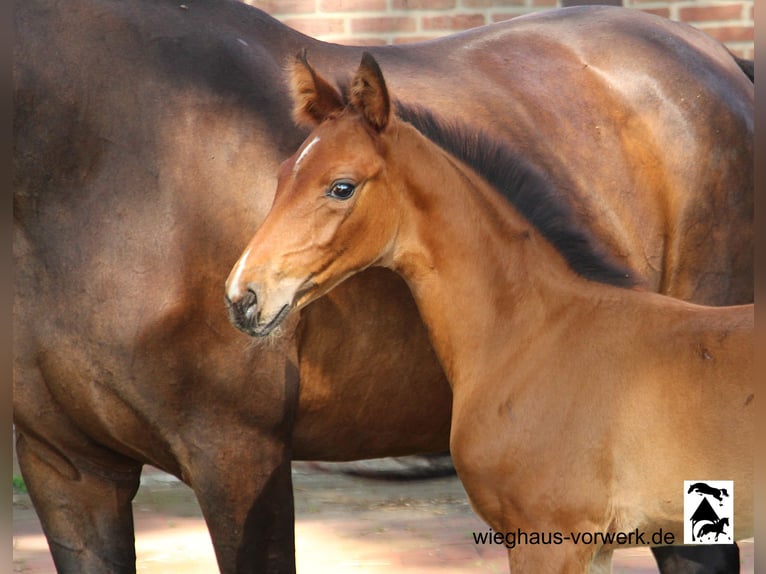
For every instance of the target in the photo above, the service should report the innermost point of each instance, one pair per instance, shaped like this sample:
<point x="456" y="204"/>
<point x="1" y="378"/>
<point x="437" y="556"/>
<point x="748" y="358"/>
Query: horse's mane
<point x="526" y="188"/>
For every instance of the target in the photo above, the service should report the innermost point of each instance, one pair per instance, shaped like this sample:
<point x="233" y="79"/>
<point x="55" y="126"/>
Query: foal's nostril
<point x="249" y="300"/>
<point x="242" y="310"/>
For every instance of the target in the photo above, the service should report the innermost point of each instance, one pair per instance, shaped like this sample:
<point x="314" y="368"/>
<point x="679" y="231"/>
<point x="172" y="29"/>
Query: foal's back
<point x="678" y="379"/>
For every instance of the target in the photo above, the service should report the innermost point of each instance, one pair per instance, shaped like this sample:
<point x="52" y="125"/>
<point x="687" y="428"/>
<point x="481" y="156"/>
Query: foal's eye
<point x="341" y="189"/>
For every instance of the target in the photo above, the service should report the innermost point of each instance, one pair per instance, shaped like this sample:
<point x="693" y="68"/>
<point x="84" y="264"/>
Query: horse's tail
<point x="747" y="66"/>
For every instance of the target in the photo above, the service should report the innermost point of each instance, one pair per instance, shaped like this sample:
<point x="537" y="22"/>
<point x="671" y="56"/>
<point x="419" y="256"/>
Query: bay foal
<point x="578" y="407"/>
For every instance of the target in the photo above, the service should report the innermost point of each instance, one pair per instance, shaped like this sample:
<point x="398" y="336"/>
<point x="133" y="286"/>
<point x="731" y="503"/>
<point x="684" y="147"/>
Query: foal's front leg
<point x="565" y="558"/>
<point x="602" y="562"/>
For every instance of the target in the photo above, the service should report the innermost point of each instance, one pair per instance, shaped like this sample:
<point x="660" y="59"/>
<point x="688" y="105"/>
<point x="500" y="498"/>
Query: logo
<point x="708" y="512"/>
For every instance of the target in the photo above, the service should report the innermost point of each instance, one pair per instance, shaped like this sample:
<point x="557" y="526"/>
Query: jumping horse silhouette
<point x="703" y="488"/>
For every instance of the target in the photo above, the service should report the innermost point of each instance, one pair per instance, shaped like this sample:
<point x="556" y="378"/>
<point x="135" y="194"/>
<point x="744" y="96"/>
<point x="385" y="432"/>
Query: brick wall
<point x="396" y="21"/>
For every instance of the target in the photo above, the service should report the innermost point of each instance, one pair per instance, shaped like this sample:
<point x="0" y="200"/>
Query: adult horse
<point x="147" y="136"/>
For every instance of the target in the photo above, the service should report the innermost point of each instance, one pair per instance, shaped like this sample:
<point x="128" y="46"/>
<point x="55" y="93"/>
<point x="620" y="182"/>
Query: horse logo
<point x="700" y="498"/>
<point x="716" y="528"/>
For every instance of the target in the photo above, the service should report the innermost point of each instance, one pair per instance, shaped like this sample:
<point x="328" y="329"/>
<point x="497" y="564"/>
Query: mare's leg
<point x="83" y="503"/>
<point x="247" y="502"/>
<point x="713" y="559"/>
<point x="242" y="477"/>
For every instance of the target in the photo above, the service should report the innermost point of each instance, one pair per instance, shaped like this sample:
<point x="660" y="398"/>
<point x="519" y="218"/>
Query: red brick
<point x="383" y="24"/>
<point x="351" y="41"/>
<point x="503" y="16"/>
<point x="708" y="13"/>
<point x="413" y="39"/>
<point x="265" y="5"/>
<point x="316" y="26"/>
<point x="492" y="3"/>
<point x="664" y="12"/>
<point x="422" y="4"/>
<point x="477" y="3"/>
<point x="353" y="5"/>
<point x="457" y="22"/>
<point x="730" y="33"/>
<point x="293" y="7"/>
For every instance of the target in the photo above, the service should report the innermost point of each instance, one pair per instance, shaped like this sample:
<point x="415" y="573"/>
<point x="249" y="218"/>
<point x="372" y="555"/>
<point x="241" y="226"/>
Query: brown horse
<point x="578" y="407"/>
<point x="146" y="139"/>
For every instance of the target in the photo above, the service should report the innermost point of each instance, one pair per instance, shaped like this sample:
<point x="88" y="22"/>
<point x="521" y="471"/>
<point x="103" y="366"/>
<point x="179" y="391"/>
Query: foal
<point x="578" y="407"/>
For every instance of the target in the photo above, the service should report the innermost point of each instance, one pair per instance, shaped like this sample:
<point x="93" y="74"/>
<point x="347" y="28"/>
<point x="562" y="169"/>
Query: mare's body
<point x="578" y="406"/>
<point x="146" y="138"/>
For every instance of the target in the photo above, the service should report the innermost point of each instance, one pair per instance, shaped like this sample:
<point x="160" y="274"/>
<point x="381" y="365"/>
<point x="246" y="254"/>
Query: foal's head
<point x="333" y="213"/>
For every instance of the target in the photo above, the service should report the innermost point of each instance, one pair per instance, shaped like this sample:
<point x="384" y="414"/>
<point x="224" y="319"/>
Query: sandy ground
<point x="343" y="524"/>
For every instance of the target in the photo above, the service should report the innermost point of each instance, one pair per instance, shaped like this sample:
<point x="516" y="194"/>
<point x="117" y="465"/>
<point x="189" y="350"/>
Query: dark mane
<point x="527" y="188"/>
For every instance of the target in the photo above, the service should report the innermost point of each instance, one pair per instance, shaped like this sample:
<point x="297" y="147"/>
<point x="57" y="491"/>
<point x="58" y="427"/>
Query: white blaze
<point x="305" y="152"/>
<point x="234" y="291"/>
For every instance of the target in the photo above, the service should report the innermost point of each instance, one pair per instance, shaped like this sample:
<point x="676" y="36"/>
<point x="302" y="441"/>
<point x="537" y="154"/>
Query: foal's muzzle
<point x="247" y="316"/>
<point x="244" y="312"/>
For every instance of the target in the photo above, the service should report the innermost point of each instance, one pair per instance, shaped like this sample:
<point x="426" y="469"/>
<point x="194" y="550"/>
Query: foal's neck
<point x="483" y="277"/>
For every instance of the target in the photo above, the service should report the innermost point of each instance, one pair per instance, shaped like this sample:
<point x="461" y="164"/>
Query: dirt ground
<point x="343" y="524"/>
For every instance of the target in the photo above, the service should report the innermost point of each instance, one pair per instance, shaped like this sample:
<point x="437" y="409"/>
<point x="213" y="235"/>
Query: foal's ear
<point x="369" y="93"/>
<point x="314" y="99"/>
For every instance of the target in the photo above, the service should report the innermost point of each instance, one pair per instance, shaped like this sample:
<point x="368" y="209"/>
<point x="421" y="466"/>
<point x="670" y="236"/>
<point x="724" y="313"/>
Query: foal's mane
<point x="526" y="188"/>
